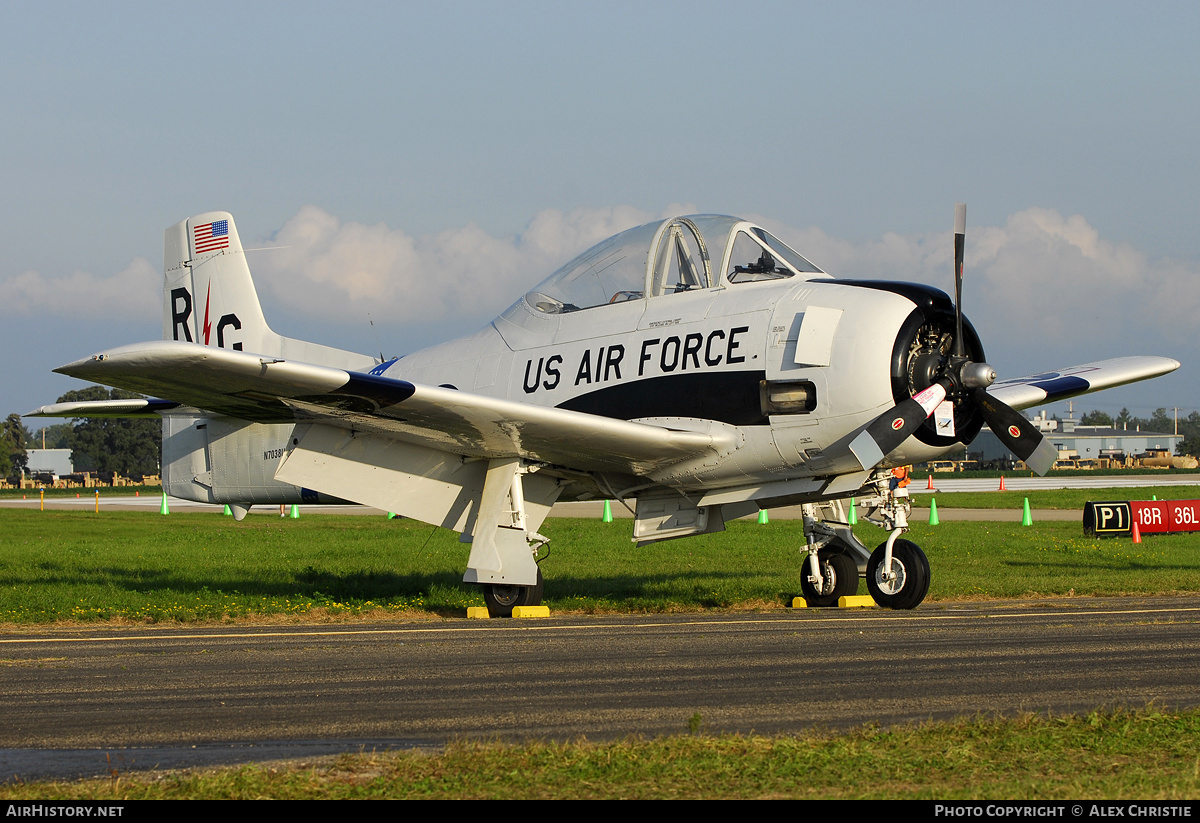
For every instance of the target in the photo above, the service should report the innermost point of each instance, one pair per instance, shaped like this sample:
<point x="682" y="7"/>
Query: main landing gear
<point x="504" y="539"/>
<point x="897" y="571"/>
<point x="501" y="600"/>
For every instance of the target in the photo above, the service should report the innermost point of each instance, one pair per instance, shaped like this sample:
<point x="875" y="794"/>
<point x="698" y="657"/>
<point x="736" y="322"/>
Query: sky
<point x="404" y="171"/>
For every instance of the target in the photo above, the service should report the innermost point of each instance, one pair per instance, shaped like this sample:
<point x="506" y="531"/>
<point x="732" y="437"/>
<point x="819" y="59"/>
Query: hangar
<point x="1076" y="441"/>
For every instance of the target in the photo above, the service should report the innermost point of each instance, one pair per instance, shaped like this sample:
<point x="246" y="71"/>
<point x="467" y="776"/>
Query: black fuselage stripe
<point x="727" y="396"/>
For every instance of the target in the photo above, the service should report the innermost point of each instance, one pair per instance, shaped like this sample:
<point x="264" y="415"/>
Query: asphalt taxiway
<point x="89" y="700"/>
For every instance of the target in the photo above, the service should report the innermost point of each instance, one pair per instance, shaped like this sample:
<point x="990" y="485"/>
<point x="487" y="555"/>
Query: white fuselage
<point x="682" y="360"/>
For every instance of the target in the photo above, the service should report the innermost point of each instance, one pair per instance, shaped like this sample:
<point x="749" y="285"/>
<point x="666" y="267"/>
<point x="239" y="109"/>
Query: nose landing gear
<point x="897" y="571"/>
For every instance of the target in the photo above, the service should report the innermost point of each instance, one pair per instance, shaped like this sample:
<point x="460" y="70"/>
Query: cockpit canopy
<point x="668" y="257"/>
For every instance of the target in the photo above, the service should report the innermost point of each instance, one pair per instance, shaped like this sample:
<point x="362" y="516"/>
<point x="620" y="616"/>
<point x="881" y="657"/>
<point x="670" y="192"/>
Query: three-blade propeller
<point x="962" y="381"/>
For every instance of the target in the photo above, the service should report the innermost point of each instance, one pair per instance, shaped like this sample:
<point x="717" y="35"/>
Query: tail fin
<point x="209" y="296"/>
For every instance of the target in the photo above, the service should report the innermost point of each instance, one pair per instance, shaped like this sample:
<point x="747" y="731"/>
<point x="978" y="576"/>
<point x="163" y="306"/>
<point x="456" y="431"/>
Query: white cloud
<point x="132" y="293"/>
<point x="1041" y="289"/>
<point x="343" y="270"/>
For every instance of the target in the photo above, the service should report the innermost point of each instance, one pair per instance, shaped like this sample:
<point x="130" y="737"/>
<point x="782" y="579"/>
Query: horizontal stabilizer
<point x="139" y="407"/>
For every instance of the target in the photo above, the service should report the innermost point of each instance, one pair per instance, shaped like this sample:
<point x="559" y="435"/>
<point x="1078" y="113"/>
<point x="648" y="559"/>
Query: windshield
<point x="758" y="255"/>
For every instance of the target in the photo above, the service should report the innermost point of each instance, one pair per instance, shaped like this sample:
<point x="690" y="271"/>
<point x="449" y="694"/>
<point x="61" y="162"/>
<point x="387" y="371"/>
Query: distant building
<point x="53" y="461"/>
<point x="1076" y="441"/>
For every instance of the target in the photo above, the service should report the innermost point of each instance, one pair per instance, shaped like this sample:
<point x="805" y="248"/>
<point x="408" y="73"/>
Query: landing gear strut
<point x="898" y="571"/>
<point x="504" y="540"/>
<point x="835" y="555"/>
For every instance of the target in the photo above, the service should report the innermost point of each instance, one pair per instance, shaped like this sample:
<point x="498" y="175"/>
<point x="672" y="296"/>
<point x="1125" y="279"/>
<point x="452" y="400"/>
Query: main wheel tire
<point x="501" y="600"/>
<point x="839" y="577"/>
<point x="911" y="582"/>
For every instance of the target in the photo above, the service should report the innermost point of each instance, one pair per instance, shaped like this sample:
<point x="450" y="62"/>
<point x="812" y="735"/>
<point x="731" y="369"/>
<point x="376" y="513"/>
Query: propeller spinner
<point x="961" y="381"/>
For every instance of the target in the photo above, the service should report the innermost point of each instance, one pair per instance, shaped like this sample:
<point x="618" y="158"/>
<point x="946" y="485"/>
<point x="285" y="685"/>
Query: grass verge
<point x="132" y="566"/>
<point x="1144" y="754"/>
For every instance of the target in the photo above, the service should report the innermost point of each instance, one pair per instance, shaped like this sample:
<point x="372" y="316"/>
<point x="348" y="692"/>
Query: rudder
<point x="209" y="297"/>
<point x="208" y="293"/>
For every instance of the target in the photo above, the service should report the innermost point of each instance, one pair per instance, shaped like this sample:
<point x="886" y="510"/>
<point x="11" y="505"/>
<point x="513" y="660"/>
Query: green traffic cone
<point x="163" y="508"/>
<point x="762" y="517"/>
<point x="933" y="518"/>
<point x="853" y="518"/>
<point x="391" y="515"/>
<point x="1026" y="517"/>
<point x="227" y="512"/>
<point x="607" y="518"/>
<point x="295" y="512"/>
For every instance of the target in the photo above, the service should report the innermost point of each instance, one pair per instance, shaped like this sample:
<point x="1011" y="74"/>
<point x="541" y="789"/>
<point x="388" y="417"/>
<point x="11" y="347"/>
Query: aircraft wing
<point x="271" y="390"/>
<point x="1038" y="389"/>
<point x="139" y="407"/>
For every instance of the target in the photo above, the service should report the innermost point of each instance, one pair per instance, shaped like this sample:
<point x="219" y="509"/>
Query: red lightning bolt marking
<point x="207" y="325"/>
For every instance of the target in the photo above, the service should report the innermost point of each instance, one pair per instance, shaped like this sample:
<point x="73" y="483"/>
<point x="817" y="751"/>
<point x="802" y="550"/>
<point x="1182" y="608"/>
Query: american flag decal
<point x="212" y="236"/>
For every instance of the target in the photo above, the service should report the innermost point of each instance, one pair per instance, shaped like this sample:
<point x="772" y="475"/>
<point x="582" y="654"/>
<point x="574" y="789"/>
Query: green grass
<point x="82" y="566"/>
<point x="143" y="567"/>
<point x="997" y="560"/>
<point x="1143" y="755"/>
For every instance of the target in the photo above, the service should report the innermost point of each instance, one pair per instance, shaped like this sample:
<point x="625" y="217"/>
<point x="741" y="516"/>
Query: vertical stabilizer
<point x="209" y="296"/>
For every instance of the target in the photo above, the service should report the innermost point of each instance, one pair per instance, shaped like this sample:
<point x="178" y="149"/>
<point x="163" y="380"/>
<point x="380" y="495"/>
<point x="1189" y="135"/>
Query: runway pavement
<point x="987" y="484"/>
<point x="87" y="700"/>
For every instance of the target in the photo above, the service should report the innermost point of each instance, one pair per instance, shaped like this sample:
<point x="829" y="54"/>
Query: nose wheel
<point x="904" y="582"/>
<point x="839" y="577"/>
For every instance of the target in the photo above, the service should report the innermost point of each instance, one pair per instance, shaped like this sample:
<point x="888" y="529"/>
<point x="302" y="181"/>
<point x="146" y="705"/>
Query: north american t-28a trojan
<point x="697" y="367"/>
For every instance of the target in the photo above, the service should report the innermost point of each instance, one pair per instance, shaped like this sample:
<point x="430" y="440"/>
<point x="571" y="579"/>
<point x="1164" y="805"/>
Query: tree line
<point x="119" y="445"/>
<point x="133" y="446"/>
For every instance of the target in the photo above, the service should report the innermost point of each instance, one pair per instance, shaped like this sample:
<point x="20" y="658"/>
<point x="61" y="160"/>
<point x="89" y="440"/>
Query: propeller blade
<point x="886" y="432"/>
<point x="960" y="243"/>
<point x="1017" y="433"/>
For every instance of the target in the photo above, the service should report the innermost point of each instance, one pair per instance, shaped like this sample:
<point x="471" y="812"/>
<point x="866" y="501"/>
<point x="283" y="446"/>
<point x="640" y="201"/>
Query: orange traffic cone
<point x="929" y="485"/>
<point x="1137" y="533"/>
<point x="1002" y="486"/>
